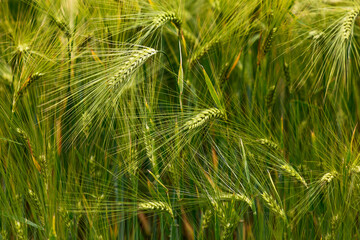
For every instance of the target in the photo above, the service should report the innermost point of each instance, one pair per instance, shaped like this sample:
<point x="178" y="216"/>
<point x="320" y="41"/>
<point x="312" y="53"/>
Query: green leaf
<point x="9" y="140"/>
<point x="181" y="79"/>
<point x="23" y="220"/>
<point x="212" y="90"/>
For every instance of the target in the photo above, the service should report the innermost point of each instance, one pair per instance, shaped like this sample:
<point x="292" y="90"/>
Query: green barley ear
<point x="163" y="18"/>
<point x="237" y="197"/>
<point x="18" y="201"/>
<point x="31" y="79"/>
<point x="293" y="173"/>
<point x="269" y="144"/>
<point x="82" y="45"/>
<point x="201" y="118"/>
<point x="135" y="60"/>
<point x="65" y="217"/>
<point x="227" y="230"/>
<point x="92" y="167"/>
<point x="31" y="146"/>
<point x="61" y="25"/>
<point x="287" y="74"/>
<point x="270" y="99"/>
<point x="155" y="206"/>
<point x="16" y="59"/>
<point x="132" y="163"/>
<point x="150" y="149"/>
<point x="190" y="36"/>
<point x="269" y="40"/>
<point x="317" y="36"/>
<point x="201" y="51"/>
<point x="4" y="234"/>
<point x="334" y="225"/>
<point x="37" y="206"/>
<point x="22" y="133"/>
<point x="28" y="82"/>
<point x="44" y="170"/>
<point x="227" y="222"/>
<point x="222" y="78"/>
<point x="19" y="230"/>
<point x="205" y="220"/>
<point x="273" y="205"/>
<point x="86" y="123"/>
<point x="348" y="23"/>
<point x="355" y="169"/>
<point x="327" y="178"/>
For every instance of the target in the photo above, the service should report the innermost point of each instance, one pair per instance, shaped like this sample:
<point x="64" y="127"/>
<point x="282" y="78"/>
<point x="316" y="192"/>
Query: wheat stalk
<point x="136" y="59"/>
<point x="155" y="205"/>
<point x="203" y="117"/>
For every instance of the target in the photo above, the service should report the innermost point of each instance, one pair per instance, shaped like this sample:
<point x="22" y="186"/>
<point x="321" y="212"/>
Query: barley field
<point x="179" y="119"/>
